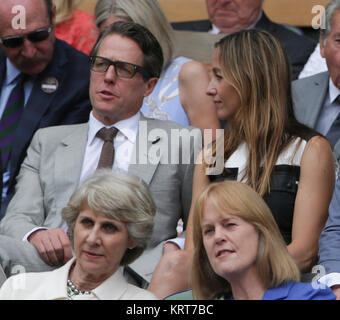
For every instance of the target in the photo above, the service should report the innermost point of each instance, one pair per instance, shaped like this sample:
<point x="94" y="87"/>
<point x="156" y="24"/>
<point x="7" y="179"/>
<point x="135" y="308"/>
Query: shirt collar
<point x="215" y="30"/>
<point x="333" y="91"/>
<point x="58" y="289"/>
<point x="11" y="73"/>
<point x="127" y="127"/>
<point x="116" y="281"/>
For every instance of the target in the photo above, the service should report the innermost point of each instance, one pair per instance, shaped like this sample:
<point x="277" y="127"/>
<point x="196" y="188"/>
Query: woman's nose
<point x="211" y="89"/>
<point x="219" y="235"/>
<point x="93" y="237"/>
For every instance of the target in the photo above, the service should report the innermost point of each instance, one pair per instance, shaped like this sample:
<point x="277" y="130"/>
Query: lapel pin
<point x="49" y="85"/>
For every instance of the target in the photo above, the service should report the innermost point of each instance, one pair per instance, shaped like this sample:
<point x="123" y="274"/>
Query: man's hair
<point x="152" y="51"/>
<point x="331" y="8"/>
<point x="148" y="13"/>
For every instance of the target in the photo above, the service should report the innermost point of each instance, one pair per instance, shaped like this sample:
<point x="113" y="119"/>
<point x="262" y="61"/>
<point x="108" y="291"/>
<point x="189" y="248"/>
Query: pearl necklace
<point x="73" y="291"/>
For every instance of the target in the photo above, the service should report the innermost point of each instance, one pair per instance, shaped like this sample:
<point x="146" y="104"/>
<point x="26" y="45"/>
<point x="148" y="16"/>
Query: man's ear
<point x="151" y="83"/>
<point x="322" y="45"/>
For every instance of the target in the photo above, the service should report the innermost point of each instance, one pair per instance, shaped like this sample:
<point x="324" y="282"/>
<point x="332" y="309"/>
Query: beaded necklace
<point x="73" y="291"/>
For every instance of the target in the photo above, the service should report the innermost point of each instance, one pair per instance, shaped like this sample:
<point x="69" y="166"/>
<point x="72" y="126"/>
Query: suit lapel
<point x="37" y="105"/>
<point x="2" y="68"/>
<point x="143" y="163"/>
<point x="69" y="158"/>
<point x="316" y="98"/>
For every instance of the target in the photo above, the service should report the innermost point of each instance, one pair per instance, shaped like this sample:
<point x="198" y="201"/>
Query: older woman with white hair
<point x="110" y="220"/>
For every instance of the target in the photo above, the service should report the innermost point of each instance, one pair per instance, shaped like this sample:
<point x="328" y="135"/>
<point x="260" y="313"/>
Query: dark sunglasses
<point x="35" y="36"/>
<point x="123" y="69"/>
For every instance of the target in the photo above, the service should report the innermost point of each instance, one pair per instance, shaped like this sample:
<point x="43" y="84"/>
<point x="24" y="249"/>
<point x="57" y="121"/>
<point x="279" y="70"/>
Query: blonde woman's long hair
<point x="274" y="263"/>
<point x="148" y="13"/>
<point x="255" y="64"/>
<point x="64" y="9"/>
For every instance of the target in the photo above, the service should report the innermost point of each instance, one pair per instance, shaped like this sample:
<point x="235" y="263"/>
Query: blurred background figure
<point x="180" y="92"/>
<point x="235" y="15"/>
<point x="74" y="26"/>
<point x="109" y="220"/>
<point x="239" y="251"/>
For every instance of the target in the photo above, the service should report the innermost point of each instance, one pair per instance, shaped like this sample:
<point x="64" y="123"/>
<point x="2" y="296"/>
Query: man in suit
<point x="55" y="86"/>
<point x="60" y="158"/>
<point x="317" y="104"/>
<point x="227" y="16"/>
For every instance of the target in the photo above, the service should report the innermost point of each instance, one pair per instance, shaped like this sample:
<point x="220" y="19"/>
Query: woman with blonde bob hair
<point x="239" y="251"/>
<point x="110" y="220"/>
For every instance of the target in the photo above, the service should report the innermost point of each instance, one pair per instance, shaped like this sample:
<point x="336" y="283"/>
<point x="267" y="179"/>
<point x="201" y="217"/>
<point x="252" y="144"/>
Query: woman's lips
<point x="92" y="255"/>
<point x="223" y="252"/>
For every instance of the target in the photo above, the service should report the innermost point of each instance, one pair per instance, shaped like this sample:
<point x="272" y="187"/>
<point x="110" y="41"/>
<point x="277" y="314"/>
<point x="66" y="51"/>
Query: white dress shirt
<point x="123" y="144"/>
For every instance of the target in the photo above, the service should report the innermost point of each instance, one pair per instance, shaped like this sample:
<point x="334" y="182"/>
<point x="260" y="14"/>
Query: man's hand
<point x="53" y="245"/>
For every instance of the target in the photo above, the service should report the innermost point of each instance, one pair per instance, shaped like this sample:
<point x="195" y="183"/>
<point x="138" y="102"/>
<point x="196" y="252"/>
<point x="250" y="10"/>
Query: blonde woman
<point x="239" y="251"/>
<point x="74" y="26"/>
<point x="180" y="92"/>
<point x="287" y="163"/>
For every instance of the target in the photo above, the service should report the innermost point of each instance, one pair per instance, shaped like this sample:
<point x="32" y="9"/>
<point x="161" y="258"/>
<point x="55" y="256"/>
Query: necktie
<point x="108" y="153"/>
<point x="10" y="119"/>
<point x="333" y="134"/>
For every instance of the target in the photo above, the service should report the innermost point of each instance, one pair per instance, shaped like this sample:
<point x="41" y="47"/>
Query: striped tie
<point x="10" y="119"/>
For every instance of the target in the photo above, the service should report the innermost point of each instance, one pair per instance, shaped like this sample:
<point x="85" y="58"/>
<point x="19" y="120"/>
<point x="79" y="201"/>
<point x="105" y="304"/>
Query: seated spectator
<point x="125" y="65"/>
<point x="264" y="146"/>
<point x="76" y="27"/>
<point x="239" y="251"/>
<point x="180" y="92"/>
<point x="316" y="98"/>
<point x="110" y="220"/>
<point x="236" y="15"/>
<point x="45" y="77"/>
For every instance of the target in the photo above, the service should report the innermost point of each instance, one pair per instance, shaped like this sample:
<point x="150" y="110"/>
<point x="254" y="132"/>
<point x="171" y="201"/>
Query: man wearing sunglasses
<point x="125" y="65"/>
<point x="55" y="82"/>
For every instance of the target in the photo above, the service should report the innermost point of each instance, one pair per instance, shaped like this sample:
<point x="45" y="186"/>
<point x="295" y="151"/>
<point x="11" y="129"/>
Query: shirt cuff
<point x="180" y="242"/>
<point x="330" y="279"/>
<point x="27" y="235"/>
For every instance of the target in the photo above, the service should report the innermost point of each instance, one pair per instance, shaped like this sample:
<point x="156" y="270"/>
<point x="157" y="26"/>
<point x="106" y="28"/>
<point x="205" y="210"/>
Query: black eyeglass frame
<point x="28" y="36"/>
<point x="136" y="68"/>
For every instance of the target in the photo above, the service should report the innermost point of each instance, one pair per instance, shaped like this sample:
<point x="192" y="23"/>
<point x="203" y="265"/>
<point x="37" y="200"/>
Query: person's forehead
<point x="20" y="17"/>
<point x="117" y="47"/>
<point x="336" y="22"/>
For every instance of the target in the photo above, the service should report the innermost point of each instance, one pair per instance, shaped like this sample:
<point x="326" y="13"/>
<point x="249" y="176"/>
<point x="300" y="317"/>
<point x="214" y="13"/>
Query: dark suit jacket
<point x="298" y="47"/>
<point x="69" y="104"/>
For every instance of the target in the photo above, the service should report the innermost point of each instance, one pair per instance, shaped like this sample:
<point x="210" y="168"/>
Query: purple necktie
<point x="10" y="119"/>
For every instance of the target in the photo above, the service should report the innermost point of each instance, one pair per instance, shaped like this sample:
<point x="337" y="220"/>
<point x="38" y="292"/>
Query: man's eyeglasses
<point x="123" y="69"/>
<point x="35" y="36"/>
